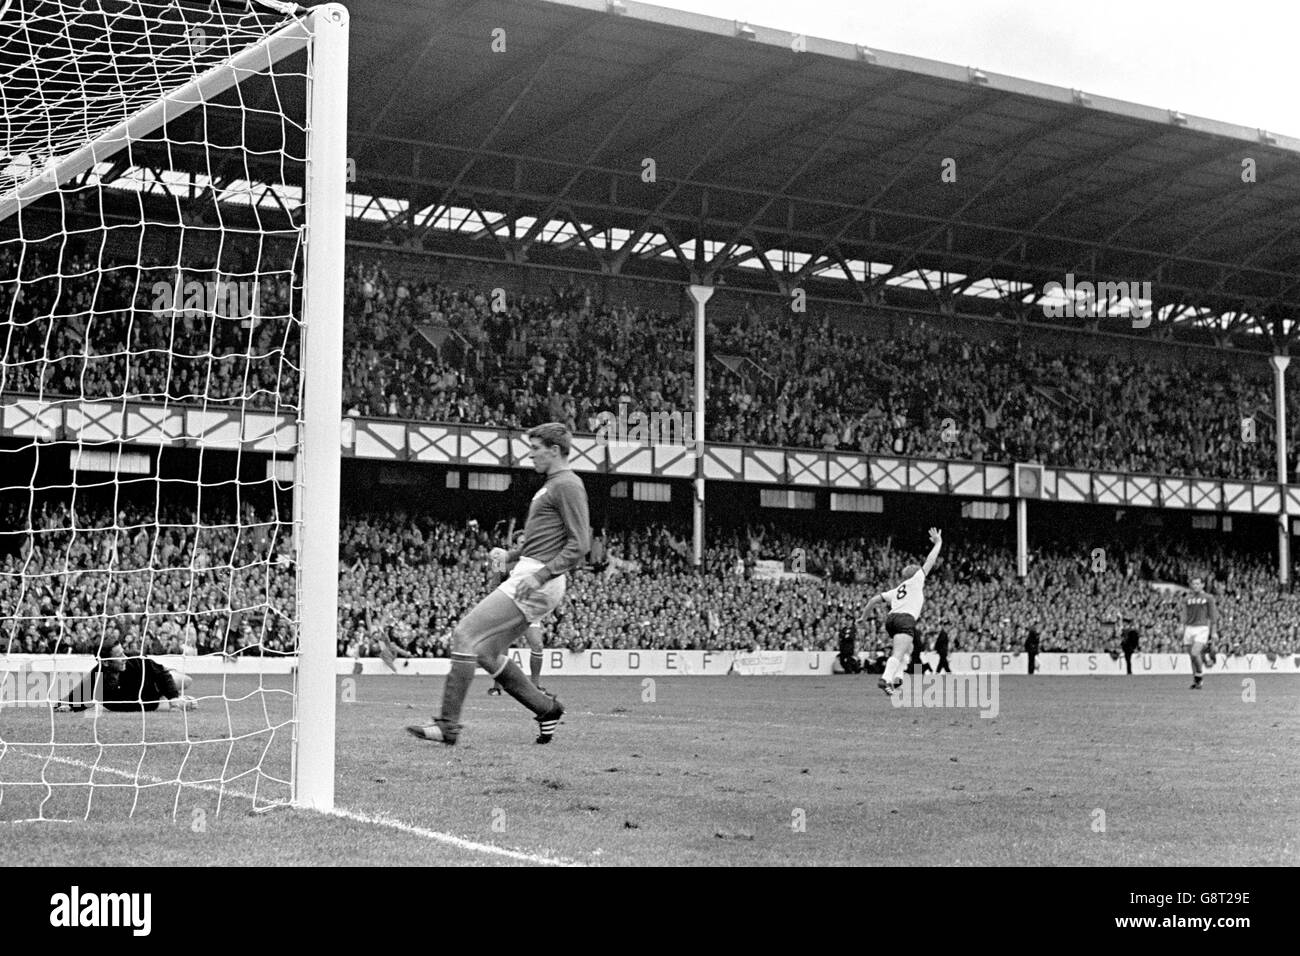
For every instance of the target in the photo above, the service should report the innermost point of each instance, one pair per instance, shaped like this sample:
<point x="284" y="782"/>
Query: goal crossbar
<point x="246" y="64"/>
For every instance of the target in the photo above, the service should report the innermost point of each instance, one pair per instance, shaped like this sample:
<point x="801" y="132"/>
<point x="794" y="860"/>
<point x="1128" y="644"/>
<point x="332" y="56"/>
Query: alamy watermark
<point x="127" y="910"/>
<point x="628" y="427"/>
<point x="1088" y="300"/>
<point x="949" y="690"/>
<point x="222" y="298"/>
<point x="25" y="687"/>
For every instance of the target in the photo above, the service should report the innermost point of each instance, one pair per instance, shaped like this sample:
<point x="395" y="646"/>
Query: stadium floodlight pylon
<point x="158" y="160"/>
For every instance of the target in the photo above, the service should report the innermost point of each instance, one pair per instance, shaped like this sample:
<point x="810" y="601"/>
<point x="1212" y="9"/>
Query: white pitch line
<point x="384" y="821"/>
<point x="339" y="812"/>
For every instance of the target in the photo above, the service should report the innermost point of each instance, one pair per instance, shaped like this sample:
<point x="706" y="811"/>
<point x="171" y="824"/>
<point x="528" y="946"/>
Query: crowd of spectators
<point x="160" y="581"/>
<point x="149" y="333"/>
<point x="153" y="578"/>
<point x="432" y="351"/>
<point x="794" y="381"/>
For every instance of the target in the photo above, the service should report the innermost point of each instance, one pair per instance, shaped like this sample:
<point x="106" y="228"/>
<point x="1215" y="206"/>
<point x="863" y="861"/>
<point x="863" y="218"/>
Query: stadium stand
<point x="152" y="579"/>
<point x="808" y="384"/>
<point x="427" y="351"/>
<point x="116" y="345"/>
<point x="417" y="348"/>
<point x="411" y="576"/>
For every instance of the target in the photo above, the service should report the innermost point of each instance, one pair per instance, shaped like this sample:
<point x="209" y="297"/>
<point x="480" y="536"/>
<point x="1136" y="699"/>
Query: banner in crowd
<point x="759" y="663"/>
<point x="767" y="570"/>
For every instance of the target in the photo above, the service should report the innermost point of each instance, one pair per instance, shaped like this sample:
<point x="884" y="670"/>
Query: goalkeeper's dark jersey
<point x="139" y="685"/>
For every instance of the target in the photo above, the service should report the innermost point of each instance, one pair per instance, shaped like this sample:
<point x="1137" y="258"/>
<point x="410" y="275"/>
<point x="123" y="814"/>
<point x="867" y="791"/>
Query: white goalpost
<point x="318" y="476"/>
<point x="172" y="208"/>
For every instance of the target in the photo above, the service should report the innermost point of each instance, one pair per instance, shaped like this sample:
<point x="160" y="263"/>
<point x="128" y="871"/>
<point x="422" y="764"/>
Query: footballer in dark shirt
<point x="1200" y="615"/>
<point x="121" y="683"/>
<point x="557" y="536"/>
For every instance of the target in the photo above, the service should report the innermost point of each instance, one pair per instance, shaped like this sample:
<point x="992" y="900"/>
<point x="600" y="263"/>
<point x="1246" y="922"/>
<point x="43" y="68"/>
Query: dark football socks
<point x="535" y="666"/>
<point x="454" y="691"/>
<point x="514" y="683"/>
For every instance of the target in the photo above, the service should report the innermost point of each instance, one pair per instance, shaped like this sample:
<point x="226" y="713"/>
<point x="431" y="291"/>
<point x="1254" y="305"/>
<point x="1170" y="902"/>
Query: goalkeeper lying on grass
<point x="126" y="683"/>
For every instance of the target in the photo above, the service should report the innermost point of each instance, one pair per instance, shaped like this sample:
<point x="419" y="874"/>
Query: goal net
<point x="171" y="261"/>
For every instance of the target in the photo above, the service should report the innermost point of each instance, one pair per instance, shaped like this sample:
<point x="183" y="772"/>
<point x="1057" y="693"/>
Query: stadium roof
<point x="763" y="141"/>
<point x="523" y="130"/>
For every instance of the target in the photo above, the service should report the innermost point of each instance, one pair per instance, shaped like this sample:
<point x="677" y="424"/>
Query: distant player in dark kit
<point x="941" y="648"/>
<point x="557" y="536"/>
<point x="904" y="602"/>
<point x="848" y="649"/>
<point x="1200" y="615"/>
<point x="1129" y="639"/>
<point x="918" y="648"/>
<point x="121" y="683"/>
<point x="1031" y="647"/>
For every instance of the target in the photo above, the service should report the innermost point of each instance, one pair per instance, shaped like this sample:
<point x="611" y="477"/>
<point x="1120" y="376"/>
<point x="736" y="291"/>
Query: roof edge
<point x="871" y="57"/>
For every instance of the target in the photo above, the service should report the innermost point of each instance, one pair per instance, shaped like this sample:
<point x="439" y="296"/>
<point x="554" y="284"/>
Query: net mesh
<point x="149" y="405"/>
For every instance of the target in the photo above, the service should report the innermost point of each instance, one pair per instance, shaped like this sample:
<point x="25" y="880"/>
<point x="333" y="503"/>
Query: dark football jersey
<point x="1198" y="609"/>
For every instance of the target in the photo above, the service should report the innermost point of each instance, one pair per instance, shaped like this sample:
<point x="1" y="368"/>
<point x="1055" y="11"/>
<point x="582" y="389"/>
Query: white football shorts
<point x="542" y="601"/>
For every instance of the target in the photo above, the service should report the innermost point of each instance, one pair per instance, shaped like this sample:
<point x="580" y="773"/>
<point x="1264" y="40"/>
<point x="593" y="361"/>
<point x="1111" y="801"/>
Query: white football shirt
<point x="908" y="597"/>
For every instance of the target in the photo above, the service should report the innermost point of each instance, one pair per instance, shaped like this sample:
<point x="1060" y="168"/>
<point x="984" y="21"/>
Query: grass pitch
<point x="732" y="771"/>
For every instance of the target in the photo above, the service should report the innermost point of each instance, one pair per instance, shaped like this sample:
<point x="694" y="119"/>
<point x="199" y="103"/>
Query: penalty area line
<point x="342" y="813"/>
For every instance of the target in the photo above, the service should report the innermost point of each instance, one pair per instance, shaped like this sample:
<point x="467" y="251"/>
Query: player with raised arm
<point x="1200" y="615"/>
<point x="904" y="602"/>
<point x="557" y="536"/>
